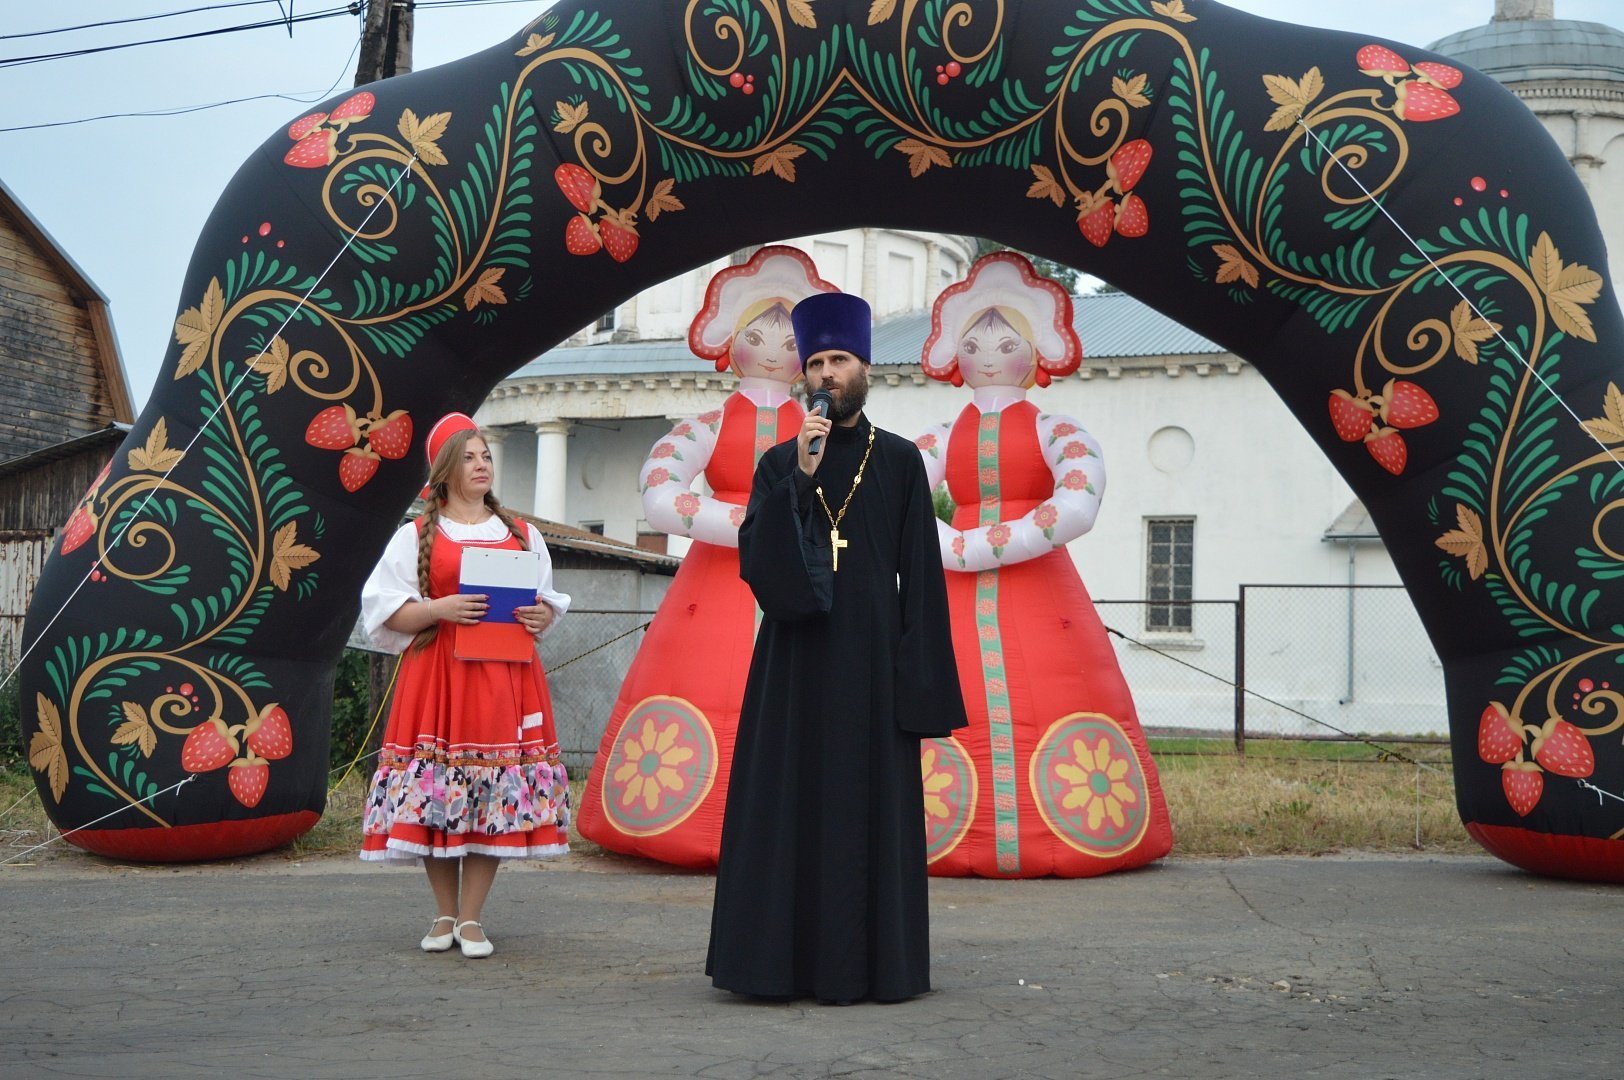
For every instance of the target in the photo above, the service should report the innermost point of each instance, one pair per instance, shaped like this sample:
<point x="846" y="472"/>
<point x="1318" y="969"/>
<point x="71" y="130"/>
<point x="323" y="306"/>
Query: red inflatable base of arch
<point x="193" y="843"/>
<point x="1580" y="858"/>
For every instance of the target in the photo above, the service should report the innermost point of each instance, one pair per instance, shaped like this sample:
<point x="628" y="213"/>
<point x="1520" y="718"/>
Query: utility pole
<point x="386" y="51"/>
<point x="386" y="41"/>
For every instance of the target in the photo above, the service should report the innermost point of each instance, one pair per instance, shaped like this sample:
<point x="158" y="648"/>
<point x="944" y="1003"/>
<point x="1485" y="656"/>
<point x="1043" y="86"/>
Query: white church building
<point x="1212" y="484"/>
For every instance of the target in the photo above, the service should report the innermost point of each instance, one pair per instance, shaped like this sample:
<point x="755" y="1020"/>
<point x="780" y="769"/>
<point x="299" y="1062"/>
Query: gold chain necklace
<point x="835" y="542"/>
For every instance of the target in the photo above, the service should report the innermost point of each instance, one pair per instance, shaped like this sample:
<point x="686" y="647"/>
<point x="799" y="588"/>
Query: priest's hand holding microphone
<point x="814" y="429"/>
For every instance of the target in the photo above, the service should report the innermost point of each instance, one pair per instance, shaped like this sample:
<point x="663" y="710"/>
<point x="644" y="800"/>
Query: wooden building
<point x="67" y="401"/>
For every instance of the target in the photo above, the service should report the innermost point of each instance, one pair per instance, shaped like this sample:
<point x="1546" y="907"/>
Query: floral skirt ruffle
<point x="431" y="802"/>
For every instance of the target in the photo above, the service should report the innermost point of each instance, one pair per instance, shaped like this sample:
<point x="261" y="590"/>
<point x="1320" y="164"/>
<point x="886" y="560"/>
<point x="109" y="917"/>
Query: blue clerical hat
<point x="832" y="320"/>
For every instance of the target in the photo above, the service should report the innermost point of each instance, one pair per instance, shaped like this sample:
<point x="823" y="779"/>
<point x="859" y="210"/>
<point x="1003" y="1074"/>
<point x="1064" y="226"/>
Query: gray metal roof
<point x="1111" y="325"/>
<point x="1528" y="50"/>
<point x="1352" y="524"/>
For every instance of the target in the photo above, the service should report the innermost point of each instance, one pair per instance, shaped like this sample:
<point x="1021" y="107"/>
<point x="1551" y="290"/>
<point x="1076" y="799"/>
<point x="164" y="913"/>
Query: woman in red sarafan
<point x="659" y="782"/>
<point x="1053" y="775"/>
<point x="470" y="772"/>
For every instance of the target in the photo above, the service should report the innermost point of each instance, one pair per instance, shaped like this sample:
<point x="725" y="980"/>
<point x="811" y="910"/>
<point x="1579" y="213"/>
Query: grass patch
<point x="1308" y="798"/>
<point x="24" y="824"/>
<point x="1282" y="798"/>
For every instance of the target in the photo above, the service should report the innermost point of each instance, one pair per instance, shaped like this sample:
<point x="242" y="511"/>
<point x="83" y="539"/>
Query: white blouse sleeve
<point x="667" y="477"/>
<point x="546" y="591"/>
<point x="932" y="444"/>
<point x="392" y="585"/>
<point x="1074" y="459"/>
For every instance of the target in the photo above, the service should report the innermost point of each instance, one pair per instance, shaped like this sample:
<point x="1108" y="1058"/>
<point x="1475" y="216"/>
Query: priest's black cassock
<point x="821" y="888"/>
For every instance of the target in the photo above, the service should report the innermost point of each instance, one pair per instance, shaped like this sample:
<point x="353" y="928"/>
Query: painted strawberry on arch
<point x="1422" y="89"/>
<point x="1387" y="446"/>
<point x="1378" y="61"/>
<point x="1523" y="783"/>
<point x="391" y="436"/>
<point x="315" y="136"/>
<point x="1405" y="405"/>
<point x="1096" y="217"/>
<point x="1499" y="735"/>
<point x="81" y="524"/>
<point x="1419" y="103"/>
<point x="334" y="428"/>
<point x="619" y="234"/>
<point x="1352" y="417"/>
<point x="1563" y="749"/>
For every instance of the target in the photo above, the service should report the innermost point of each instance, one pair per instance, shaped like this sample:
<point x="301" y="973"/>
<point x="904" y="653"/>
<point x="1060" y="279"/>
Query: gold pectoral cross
<point x="836" y="543"/>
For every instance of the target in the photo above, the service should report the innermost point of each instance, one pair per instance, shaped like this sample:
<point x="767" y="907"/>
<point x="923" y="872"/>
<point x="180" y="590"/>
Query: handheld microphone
<point x="822" y="402"/>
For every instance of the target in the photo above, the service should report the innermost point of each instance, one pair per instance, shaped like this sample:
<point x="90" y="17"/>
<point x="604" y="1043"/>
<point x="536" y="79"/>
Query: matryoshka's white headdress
<point x="739" y="293"/>
<point x="1004" y="280"/>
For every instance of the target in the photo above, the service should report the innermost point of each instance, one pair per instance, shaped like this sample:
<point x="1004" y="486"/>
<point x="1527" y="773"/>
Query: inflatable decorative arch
<point x="1393" y="242"/>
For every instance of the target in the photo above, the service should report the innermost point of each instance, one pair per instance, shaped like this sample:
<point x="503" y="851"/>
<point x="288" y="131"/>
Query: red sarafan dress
<point x="470" y="761"/>
<point x="658" y="784"/>
<point x="1053" y="776"/>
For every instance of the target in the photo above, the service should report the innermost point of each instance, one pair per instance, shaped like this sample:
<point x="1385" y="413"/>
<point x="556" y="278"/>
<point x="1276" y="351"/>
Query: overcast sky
<point x="127" y="197"/>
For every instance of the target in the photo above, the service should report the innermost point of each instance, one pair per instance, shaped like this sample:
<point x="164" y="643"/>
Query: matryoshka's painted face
<point x="765" y="347"/>
<point x="993" y="353"/>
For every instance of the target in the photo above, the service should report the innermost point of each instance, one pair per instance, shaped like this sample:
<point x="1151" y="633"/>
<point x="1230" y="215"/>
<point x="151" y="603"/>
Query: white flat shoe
<point x="474" y="950"/>
<point x="433" y="942"/>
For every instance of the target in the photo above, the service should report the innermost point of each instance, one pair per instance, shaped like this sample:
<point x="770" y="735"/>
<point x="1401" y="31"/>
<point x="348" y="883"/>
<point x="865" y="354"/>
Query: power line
<point x="20" y="61"/>
<point x="474" y="3"/>
<point x="184" y="109"/>
<point x="354" y="7"/>
<point x="134" y="19"/>
<point x="180" y="110"/>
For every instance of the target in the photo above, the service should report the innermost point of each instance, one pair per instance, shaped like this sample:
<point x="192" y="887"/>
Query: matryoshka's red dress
<point x="658" y="785"/>
<point x="1053" y="775"/>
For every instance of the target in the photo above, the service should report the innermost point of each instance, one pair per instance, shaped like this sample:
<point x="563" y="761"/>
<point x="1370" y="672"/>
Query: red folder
<point x="508" y="641"/>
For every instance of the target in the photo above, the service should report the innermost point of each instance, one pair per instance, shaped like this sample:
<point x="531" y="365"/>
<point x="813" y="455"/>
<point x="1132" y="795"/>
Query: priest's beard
<point x="851" y="397"/>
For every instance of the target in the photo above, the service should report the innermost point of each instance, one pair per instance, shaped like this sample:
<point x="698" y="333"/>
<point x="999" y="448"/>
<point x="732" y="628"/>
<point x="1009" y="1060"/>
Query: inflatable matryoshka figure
<point x="659" y="782"/>
<point x="1053" y="775"/>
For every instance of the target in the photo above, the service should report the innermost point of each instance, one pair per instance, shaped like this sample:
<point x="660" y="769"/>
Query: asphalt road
<point x="1331" y="967"/>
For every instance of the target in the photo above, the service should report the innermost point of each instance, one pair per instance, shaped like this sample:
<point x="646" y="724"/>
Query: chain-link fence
<point x="1182" y="683"/>
<point x="1353" y="657"/>
<point x="587" y="659"/>
<point x="1316" y="661"/>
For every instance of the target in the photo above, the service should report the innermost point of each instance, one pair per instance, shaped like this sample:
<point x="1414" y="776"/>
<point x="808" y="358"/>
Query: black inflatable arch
<point x="1233" y="172"/>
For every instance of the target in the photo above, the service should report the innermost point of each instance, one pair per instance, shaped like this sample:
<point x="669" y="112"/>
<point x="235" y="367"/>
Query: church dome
<point x="1539" y="50"/>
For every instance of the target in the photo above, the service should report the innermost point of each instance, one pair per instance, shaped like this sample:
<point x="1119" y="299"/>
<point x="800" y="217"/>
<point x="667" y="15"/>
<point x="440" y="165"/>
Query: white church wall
<point x="1255" y="520"/>
<point x="604" y="460"/>
<point x="1224" y="450"/>
<point x="1607" y="187"/>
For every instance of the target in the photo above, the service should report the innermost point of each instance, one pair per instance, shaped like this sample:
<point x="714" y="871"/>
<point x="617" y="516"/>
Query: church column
<point x="1523" y="10"/>
<point x="626" y="321"/>
<point x="933" y="272"/>
<point x="552" y="469"/>
<point x="871" y="268"/>
<point x="1583" y="160"/>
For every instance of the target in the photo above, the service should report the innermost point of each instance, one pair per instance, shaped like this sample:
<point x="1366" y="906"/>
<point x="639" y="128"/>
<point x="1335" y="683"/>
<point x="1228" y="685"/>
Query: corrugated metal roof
<point x="557" y="534"/>
<point x="111" y="435"/>
<point x="624" y="358"/>
<point x="1111" y="325"/>
<point x="1352" y="524"/>
<point x="1525" y="50"/>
